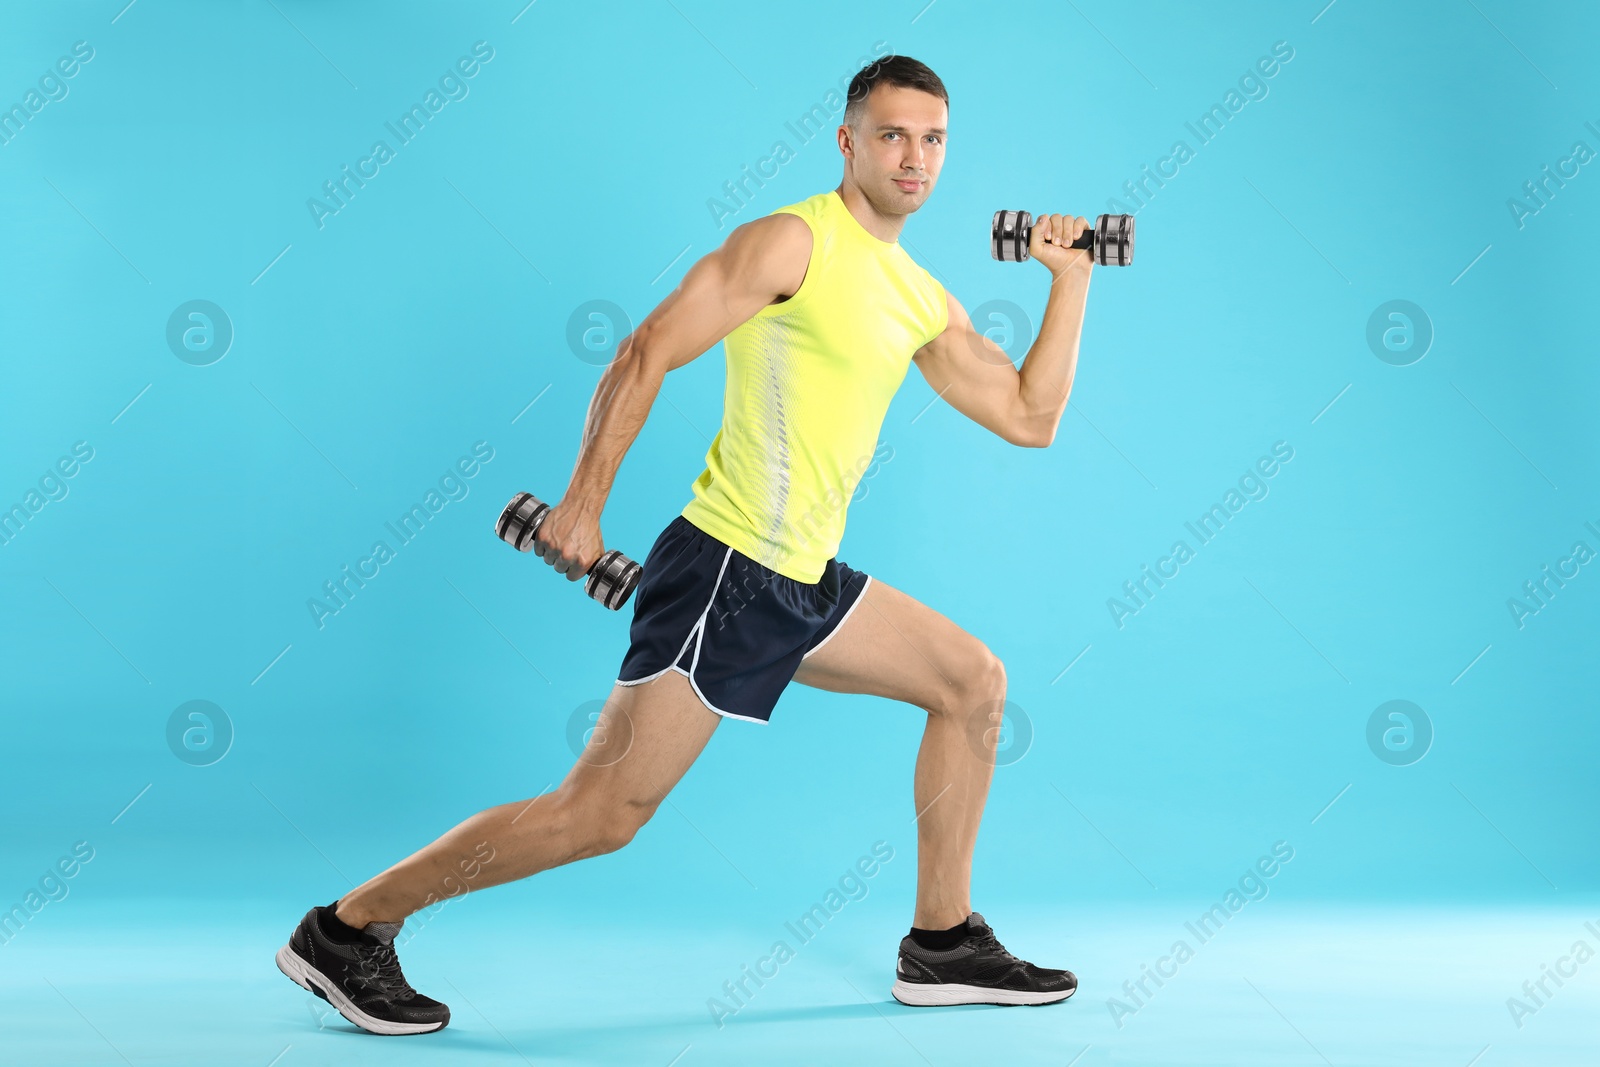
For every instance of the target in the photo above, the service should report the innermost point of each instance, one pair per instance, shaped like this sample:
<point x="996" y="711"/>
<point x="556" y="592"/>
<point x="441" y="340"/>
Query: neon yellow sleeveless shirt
<point x="809" y="383"/>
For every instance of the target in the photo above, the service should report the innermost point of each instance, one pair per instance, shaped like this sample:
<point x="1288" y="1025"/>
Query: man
<point x="822" y="313"/>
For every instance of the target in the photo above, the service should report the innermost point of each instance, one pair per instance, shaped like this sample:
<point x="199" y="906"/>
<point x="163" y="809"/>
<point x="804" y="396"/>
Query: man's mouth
<point x="910" y="185"/>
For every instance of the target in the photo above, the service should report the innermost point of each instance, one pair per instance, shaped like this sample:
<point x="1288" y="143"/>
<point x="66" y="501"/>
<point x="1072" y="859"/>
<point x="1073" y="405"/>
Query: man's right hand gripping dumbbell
<point x="565" y="537"/>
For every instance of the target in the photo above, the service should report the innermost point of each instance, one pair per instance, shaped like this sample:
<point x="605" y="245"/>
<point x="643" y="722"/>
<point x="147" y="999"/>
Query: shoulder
<point x="772" y="253"/>
<point x="778" y="236"/>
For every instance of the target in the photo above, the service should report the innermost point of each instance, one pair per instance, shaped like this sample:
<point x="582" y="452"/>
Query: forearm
<point x="617" y="412"/>
<point x="1051" y="362"/>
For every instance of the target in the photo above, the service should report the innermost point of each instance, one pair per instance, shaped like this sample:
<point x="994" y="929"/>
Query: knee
<point x="619" y="825"/>
<point x="598" y="825"/>
<point x="978" y="686"/>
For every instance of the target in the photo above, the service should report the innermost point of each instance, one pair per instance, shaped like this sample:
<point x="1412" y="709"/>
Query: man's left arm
<point x="975" y="376"/>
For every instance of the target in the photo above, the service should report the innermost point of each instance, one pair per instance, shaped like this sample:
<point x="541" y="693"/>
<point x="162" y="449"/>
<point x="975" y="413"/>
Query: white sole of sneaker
<point x="307" y="977"/>
<point x="923" y="995"/>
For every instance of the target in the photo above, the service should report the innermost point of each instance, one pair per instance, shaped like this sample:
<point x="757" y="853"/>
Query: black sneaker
<point x="977" y="971"/>
<point x="362" y="980"/>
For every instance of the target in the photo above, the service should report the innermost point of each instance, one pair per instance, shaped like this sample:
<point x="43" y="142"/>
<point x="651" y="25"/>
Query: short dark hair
<point x="902" y="71"/>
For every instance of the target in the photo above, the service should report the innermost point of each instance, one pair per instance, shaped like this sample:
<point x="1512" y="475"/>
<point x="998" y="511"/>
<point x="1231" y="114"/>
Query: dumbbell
<point x="612" y="578"/>
<point x="1110" y="242"/>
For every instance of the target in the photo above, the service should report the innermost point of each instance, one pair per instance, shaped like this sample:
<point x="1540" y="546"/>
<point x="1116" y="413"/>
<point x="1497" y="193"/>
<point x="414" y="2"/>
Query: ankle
<point x="939" y="918"/>
<point x="355" y="912"/>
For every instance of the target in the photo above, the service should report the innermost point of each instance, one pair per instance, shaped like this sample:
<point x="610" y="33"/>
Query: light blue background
<point x="431" y="310"/>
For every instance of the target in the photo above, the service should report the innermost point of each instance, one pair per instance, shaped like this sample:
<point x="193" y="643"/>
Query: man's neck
<point x="885" y="228"/>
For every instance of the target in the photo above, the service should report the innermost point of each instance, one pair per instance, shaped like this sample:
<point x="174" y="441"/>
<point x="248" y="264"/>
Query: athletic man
<point x="821" y="313"/>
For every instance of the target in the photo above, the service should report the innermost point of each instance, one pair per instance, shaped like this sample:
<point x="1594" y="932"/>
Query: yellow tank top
<point x="809" y="382"/>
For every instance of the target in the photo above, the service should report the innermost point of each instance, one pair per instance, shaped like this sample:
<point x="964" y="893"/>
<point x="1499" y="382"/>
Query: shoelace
<point x="379" y="968"/>
<point x="992" y="943"/>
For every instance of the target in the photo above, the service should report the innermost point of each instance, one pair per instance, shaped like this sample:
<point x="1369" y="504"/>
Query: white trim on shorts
<point x="853" y="605"/>
<point x="697" y="634"/>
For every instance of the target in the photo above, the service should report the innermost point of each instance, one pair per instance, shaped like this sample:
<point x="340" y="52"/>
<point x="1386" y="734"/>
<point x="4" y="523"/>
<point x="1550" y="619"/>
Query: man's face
<point x="898" y="147"/>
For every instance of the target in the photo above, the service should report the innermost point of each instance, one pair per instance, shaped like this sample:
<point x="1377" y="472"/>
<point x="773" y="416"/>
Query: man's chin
<point x="897" y="201"/>
<point x="909" y="201"/>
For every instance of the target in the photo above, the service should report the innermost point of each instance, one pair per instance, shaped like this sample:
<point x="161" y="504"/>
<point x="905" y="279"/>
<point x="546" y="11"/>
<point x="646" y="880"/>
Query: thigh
<point x="647" y="736"/>
<point x="894" y="646"/>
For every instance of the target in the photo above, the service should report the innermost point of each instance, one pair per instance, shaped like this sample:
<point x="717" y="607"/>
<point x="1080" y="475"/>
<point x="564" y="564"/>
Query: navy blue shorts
<point x="736" y="629"/>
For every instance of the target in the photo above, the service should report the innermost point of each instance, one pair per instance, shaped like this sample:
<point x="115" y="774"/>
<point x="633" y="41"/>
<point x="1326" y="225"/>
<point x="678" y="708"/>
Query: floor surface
<point x="1280" y="983"/>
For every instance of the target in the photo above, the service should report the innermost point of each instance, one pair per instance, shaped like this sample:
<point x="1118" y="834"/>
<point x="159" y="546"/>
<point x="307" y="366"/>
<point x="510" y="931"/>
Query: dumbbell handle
<point x="1085" y="239"/>
<point x="612" y="577"/>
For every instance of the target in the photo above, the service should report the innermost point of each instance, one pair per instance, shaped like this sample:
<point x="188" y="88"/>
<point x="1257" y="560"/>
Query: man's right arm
<point x="761" y="262"/>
